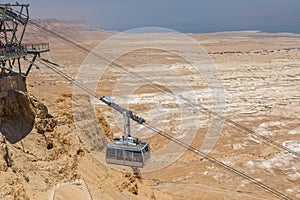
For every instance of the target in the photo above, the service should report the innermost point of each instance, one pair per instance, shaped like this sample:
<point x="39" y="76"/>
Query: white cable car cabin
<point x="127" y="150"/>
<point x="134" y="154"/>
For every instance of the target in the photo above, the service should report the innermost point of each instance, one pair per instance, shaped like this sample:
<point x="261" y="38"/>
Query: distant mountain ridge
<point x="75" y="25"/>
<point x="70" y="28"/>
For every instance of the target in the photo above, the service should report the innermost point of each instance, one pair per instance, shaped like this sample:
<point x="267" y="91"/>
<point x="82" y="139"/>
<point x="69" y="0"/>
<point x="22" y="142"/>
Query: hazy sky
<point x="180" y="15"/>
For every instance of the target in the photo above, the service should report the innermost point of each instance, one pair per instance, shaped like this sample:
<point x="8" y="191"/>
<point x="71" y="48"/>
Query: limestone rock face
<point x="14" y="190"/>
<point x="45" y="125"/>
<point x="5" y="158"/>
<point x="41" y="111"/>
<point x="44" y="122"/>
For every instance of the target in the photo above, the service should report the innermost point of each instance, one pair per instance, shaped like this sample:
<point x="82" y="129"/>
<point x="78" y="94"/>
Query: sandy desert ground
<point x="260" y="77"/>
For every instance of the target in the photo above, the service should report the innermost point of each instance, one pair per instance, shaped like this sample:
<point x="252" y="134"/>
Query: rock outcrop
<point x="20" y="113"/>
<point x="44" y="122"/>
<point x="16" y="116"/>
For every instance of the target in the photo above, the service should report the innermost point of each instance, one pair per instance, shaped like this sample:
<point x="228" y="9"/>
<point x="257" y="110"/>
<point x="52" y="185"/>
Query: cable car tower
<point x="13" y="22"/>
<point x="126" y="150"/>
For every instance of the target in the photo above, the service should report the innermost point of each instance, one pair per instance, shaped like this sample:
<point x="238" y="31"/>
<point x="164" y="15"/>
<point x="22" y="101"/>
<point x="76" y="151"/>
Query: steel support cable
<point x="171" y="138"/>
<point x="243" y="128"/>
<point x="96" y="55"/>
<point x="92" y="93"/>
<point x="142" y="79"/>
<point x="219" y="163"/>
<point x="69" y="78"/>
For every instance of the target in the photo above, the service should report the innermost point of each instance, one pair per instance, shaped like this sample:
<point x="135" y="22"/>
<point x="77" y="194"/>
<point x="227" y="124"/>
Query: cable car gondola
<point x="127" y="150"/>
<point x="134" y="155"/>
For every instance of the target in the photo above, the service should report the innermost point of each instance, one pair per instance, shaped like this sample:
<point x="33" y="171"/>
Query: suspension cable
<point x="236" y="125"/>
<point x="219" y="163"/>
<point x="171" y="138"/>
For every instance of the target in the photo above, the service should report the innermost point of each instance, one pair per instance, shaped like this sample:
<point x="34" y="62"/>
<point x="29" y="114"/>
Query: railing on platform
<point x="18" y="51"/>
<point x="37" y="47"/>
<point x="11" y="51"/>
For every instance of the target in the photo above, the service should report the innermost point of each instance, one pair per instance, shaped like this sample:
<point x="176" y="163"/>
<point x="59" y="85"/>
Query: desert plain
<point x="257" y="86"/>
